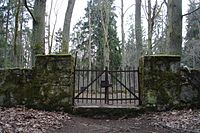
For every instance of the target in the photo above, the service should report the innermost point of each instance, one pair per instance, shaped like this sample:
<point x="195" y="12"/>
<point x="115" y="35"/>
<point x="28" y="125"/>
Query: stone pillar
<point x="54" y="81"/>
<point x="159" y="80"/>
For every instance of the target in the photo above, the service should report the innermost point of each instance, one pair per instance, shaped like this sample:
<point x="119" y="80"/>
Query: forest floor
<point x="23" y="120"/>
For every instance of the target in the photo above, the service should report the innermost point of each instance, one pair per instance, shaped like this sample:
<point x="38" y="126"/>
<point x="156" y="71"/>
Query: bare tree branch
<point x="190" y="12"/>
<point x="159" y="9"/>
<point x="28" y="9"/>
<point x="165" y="2"/>
<point x="145" y="9"/>
<point x="128" y="8"/>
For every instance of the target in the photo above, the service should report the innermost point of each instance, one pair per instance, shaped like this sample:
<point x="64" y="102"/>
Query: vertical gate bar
<point x="90" y="79"/>
<point x="83" y="76"/>
<point x="115" y="81"/>
<point x="125" y="81"/>
<point x="121" y="75"/>
<point x="78" y="86"/>
<point x="112" y="94"/>
<point x="134" y="84"/>
<point x="87" y="75"/>
<point x="106" y="85"/>
<point x="96" y="85"/>
<point x="100" y="90"/>
<point x="74" y="90"/>
<point x="74" y="87"/>
<point x="111" y="80"/>
<point x="139" y="91"/>
<point x="129" y="80"/>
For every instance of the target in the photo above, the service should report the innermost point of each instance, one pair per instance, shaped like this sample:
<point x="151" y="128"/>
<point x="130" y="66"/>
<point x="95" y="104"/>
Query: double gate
<point x="101" y="88"/>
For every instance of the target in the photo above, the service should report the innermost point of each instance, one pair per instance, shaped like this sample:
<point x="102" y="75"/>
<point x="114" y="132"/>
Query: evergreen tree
<point x="193" y="21"/>
<point x="80" y="37"/>
<point x="191" y="51"/>
<point x="130" y="49"/>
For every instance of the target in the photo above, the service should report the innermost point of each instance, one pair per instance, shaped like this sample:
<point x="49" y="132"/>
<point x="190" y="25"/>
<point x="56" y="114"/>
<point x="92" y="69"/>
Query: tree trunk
<point x="7" y="32"/>
<point x="49" y="29"/>
<point x="16" y="52"/>
<point x="138" y="30"/>
<point x="105" y="12"/>
<point x="122" y="24"/>
<point x="150" y="28"/>
<point x="66" y="27"/>
<point x="21" y="46"/>
<point x="89" y="42"/>
<point x="38" y="35"/>
<point x="174" y="31"/>
<point x="122" y="33"/>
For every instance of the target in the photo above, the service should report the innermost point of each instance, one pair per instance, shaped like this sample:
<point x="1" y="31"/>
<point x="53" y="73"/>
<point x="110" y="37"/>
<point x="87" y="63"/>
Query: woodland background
<point x="27" y="30"/>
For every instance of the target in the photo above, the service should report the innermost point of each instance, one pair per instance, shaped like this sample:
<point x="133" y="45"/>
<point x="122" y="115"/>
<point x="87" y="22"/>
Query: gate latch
<point x="105" y="84"/>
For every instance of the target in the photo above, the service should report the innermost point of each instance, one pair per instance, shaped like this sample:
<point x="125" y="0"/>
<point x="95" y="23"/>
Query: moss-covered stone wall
<point x="49" y="85"/>
<point x="190" y="87"/>
<point x="15" y="86"/>
<point x="160" y="81"/>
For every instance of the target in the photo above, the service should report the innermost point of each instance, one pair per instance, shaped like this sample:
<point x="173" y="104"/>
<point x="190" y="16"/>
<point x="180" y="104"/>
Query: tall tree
<point x="174" y="31"/>
<point x="16" y="52"/>
<point x="122" y="24"/>
<point x="160" y="32"/>
<point x="14" y="34"/>
<point x="150" y="28"/>
<point x="138" y="30"/>
<point x="130" y="50"/>
<point x="82" y="33"/>
<point x="66" y="27"/>
<point x="193" y="21"/>
<point x="2" y="40"/>
<point x="39" y="27"/>
<point x="38" y="33"/>
<point x="89" y="41"/>
<point x="191" y="51"/>
<point x="153" y="11"/>
<point x="49" y="36"/>
<point x="8" y="24"/>
<point x="105" y="8"/>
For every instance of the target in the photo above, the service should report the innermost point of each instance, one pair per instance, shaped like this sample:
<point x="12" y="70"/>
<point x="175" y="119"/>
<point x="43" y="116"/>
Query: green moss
<point x="165" y="56"/>
<point x="151" y="97"/>
<point x="54" y="55"/>
<point x="159" y="80"/>
<point x="44" y="87"/>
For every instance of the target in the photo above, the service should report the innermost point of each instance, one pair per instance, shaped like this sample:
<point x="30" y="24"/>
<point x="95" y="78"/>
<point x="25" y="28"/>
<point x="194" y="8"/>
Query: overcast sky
<point x="59" y="7"/>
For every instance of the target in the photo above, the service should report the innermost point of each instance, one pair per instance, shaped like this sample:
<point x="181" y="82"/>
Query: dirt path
<point x="23" y="120"/>
<point x="142" y="124"/>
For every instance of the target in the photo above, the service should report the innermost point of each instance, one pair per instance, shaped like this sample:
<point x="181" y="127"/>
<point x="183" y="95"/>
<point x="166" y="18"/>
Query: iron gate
<point x="106" y="88"/>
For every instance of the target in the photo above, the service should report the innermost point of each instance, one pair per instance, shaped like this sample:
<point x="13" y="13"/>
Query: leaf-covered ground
<point x="179" y="121"/>
<point x="23" y="120"/>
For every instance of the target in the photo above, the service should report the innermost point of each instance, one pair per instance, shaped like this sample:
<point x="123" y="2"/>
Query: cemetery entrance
<point x="106" y="88"/>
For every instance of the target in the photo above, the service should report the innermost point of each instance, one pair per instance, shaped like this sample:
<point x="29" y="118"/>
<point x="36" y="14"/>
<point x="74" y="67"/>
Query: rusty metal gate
<point x="99" y="88"/>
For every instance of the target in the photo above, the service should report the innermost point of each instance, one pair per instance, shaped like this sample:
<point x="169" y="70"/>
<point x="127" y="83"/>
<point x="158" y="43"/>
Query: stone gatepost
<point x="160" y="81"/>
<point x="54" y="81"/>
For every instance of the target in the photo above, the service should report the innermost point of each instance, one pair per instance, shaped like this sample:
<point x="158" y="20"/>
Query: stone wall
<point x="15" y="86"/>
<point x="190" y="87"/>
<point x="49" y="85"/>
<point x="159" y="81"/>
